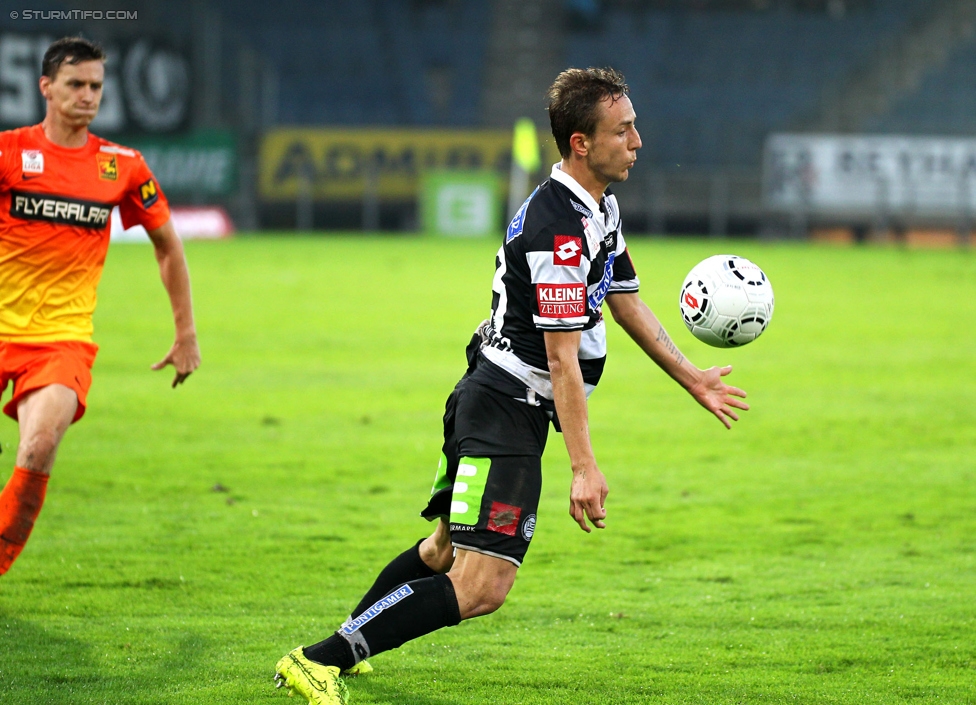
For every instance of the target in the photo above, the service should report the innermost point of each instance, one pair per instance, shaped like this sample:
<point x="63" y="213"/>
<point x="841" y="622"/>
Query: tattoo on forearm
<point x="662" y="337"/>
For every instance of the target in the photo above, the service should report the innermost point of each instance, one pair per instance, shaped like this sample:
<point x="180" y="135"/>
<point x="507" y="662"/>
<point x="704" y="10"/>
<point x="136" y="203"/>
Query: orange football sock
<point x="20" y="503"/>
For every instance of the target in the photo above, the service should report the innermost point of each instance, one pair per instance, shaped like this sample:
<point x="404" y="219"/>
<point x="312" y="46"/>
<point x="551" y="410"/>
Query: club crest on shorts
<point x="503" y="518"/>
<point x="528" y="527"/>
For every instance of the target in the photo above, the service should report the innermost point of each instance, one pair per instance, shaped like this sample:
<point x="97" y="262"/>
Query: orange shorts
<point x="31" y="366"/>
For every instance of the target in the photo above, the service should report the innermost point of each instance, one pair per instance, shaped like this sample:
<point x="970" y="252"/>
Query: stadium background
<point x="205" y="88"/>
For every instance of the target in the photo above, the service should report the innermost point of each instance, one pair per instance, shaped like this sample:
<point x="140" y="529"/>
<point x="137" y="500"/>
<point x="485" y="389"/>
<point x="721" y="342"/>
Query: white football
<point x="726" y="301"/>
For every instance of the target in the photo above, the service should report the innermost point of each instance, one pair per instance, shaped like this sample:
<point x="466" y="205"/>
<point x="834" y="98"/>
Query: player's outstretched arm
<point x="706" y="386"/>
<point x="589" y="489"/>
<point x="185" y="353"/>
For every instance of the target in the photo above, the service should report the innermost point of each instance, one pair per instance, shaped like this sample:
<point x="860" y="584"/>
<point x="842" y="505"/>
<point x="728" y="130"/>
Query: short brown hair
<point x="573" y="100"/>
<point x="72" y="50"/>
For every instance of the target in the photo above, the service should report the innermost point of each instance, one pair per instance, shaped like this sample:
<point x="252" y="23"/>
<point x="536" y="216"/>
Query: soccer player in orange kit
<point x="58" y="185"/>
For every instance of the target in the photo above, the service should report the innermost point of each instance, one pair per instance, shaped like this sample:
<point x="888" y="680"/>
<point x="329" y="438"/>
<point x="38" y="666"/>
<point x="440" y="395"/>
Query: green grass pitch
<point x="823" y="551"/>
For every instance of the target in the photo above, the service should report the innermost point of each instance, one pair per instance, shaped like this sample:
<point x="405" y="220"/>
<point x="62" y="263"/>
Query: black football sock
<point x="334" y="651"/>
<point x="408" y="612"/>
<point x="402" y="569"/>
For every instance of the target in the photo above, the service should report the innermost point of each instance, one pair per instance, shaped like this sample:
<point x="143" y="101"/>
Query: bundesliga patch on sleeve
<point x="561" y="300"/>
<point x="148" y="193"/>
<point x="566" y="250"/>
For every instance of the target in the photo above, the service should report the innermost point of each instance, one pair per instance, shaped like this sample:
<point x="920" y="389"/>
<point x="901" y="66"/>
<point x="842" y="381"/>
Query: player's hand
<point x="586" y="497"/>
<point x="184" y="356"/>
<point x="718" y="397"/>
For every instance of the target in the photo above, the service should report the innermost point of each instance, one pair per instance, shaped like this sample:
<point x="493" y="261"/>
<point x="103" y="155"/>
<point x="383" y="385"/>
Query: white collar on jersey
<point x="573" y="185"/>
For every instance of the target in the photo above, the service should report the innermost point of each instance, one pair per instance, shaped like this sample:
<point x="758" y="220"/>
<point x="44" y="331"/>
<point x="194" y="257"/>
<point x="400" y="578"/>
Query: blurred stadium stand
<point x="941" y="100"/>
<point x="708" y="86"/>
<point x="394" y="62"/>
<point x="945" y="102"/>
<point x="710" y="79"/>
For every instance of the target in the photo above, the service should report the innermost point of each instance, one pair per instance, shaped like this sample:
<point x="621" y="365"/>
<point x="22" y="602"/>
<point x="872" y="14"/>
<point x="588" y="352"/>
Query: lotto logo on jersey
<point x="32" y="161"/>
<point x="561" y="300"/>
<point x="567" y="250"/>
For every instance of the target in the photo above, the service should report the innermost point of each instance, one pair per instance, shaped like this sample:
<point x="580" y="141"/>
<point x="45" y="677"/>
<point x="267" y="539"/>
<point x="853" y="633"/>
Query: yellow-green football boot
<point x="360" y="669"/>
<point x="318" y="684"/>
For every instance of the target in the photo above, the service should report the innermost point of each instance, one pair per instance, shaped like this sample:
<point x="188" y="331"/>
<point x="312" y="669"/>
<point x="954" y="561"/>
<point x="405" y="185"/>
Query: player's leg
<point x="481" y="583"/>
<point x="491" y="502"/>
<point x="492" y="521"/>
<point x="426" y="558"/>
<point x="476" y="585"/>
<point x="433" y="555"/>
<point x="44" y="415"/>
<point x="436" y="551"/>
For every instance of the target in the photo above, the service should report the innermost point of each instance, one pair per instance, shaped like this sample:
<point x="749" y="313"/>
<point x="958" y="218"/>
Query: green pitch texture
<point x="823" y="551"/>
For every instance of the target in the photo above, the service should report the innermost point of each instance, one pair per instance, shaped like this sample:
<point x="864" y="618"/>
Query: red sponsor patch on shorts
<point x="561" y="300"/>
<point x="504" y="518"/>
<point x="566" y="250"/>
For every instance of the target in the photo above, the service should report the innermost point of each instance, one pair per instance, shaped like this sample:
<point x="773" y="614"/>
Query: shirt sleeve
<point x="9" y="161"/>
<point x="624" y="275"/>
<point x="144" y="202"/>
<point x="558" y="268"/>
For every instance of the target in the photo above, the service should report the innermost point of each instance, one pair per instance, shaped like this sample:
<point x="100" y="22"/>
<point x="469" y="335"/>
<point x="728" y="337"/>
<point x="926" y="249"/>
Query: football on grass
<point x="726" y="301"/>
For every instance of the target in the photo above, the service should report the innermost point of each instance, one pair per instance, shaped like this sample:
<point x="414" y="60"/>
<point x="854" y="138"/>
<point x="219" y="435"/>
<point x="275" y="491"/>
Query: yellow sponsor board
<point x="335" y="163"/>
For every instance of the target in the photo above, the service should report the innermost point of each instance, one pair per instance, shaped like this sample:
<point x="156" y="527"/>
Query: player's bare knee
<point x="444" y="559"/>
<point x="35" y="450"/>
<point x="437" y="552"/>
<point x="494" y="599"/>
<point x="34" y="461"/>
<point x="479" y="592"/>
<point x="489" y="599"/>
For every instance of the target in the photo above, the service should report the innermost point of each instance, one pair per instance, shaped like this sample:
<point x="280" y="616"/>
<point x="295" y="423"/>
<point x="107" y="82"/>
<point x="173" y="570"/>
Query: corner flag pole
<point x="525" y="161"/>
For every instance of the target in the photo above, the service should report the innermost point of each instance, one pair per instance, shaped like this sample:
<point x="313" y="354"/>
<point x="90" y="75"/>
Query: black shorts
<point x="489" y="477"/>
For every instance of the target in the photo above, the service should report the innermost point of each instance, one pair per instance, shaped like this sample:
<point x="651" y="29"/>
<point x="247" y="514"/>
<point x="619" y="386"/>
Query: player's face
<point x="75" y="92"/>
<point x="612" y="148"/>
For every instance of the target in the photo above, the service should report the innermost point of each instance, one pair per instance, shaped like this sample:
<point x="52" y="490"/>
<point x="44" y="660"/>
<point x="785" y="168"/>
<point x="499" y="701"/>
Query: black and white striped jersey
<point x="563" y="253"/>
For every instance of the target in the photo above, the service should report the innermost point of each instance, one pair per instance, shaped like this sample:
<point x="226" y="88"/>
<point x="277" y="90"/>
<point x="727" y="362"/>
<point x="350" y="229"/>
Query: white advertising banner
<point x="191" y="223"/>
<point x="838" y="176"/>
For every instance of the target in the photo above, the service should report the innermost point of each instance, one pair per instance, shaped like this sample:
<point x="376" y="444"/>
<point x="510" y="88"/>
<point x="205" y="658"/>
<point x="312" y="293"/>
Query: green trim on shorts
<point x="441" y="481"/>
<point x="469" y="488"/>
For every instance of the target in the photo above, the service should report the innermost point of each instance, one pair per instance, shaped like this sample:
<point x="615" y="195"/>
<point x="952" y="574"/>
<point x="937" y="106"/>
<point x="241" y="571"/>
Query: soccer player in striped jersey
<point x="534" y="362"/>
<point x="58" y="185"/>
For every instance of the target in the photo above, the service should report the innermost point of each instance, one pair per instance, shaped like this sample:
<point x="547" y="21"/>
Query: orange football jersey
<point x="55" y="208"/>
